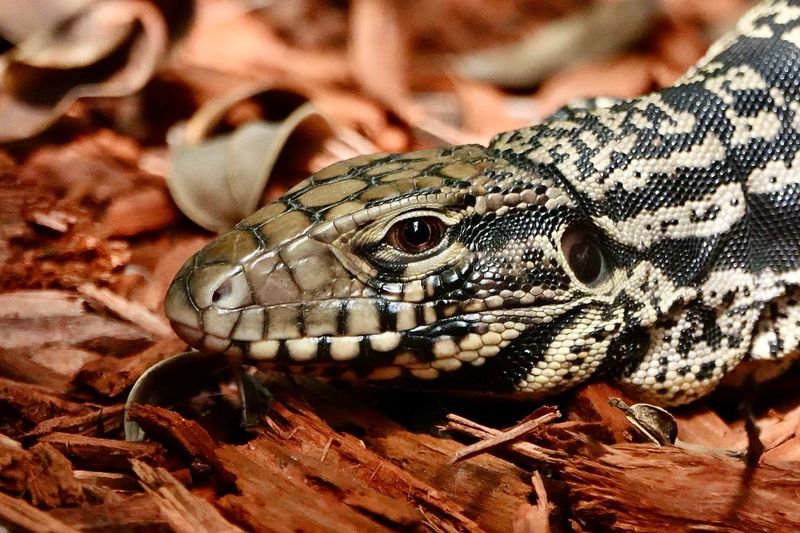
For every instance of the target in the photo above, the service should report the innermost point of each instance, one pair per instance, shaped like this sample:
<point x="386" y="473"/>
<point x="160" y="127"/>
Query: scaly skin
<point x="655" y="242"/>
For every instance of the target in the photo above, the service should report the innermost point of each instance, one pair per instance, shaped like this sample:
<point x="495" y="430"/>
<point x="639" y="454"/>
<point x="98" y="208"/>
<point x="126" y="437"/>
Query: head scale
<point x="458" y="267"/>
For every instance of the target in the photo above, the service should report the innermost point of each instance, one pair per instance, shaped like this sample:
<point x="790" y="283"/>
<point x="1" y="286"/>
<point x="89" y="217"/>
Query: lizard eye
<point x="584" y="255"/>
<point x="416" y="235"/>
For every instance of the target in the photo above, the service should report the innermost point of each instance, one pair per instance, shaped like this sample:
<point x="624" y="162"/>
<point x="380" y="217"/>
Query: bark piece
<point x="145" y="210"/>
<point x="100" y="422"/>
<point x="591" y="405"/>
<point x="106" y="454"/>
<point x="64" y="361"/>
<point x="91" y="332"/>
<point x="695" y="491"/>
<point x="535" y="518"/>
<point x="42" y="474"/>
<point x="27" y="405"/>
<point x="135" y="513"/>
<point x="17" y="365"/>
<point x="26" y="517"/>
<point x="14" y="467"/>
<point x="267" y="474"/>
<point x="183" y="511"/>
<point x="405" y="465"/>
<point x="187" y="435"/>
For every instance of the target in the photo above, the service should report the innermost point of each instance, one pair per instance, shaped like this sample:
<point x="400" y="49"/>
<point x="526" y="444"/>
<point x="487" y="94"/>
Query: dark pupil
<point x="586" y="261"/>
<point x="416" y="233"/>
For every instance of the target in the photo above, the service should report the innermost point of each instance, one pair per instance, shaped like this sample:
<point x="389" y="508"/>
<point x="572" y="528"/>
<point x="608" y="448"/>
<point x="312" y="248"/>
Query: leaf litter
<point x="90" y="237"/>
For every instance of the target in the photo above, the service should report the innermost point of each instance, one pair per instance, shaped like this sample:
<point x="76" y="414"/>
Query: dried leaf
<point x="655" y="423"/>
<point x="108" y="48"/>
<point x="19" y="19"/>
<point x="598" y="31"/>
<point x="218" y="180"/>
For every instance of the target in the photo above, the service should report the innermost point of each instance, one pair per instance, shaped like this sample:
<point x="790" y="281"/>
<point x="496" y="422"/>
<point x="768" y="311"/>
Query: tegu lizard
<point x="654" y="242"/>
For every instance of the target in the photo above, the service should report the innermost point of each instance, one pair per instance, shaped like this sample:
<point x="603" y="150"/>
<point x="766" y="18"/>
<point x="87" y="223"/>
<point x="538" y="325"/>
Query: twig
<point x="492" y="438"/>
<point x="131" y="311"/>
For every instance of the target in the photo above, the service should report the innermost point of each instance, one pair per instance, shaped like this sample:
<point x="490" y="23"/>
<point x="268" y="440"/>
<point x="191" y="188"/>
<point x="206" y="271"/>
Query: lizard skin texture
<point x="655" y="242"/>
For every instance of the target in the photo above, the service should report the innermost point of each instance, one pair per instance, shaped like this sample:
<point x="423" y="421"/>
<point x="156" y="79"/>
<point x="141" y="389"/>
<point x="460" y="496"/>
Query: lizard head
<point x="456" y="266"/>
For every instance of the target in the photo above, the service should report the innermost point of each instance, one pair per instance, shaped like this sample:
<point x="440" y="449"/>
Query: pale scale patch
<point x="765" y="125"/>
<point x="778" y="334"/>
<point x="791" y="277"/>
<point x="344" y="348"/>
<point x="386" y="341"/>
<point x="640" y="120"/>
<point x="739" y="78"/>
<point x="646" y="228"/>
<point x="720" y="282"/>
<point x="785" y="13"/>
<point x="699" y="155"/>
<point x="768" y="286"/>
<point x="590" y="139"/>
<point x="602" y="159"/>
<point x="558" y="360"/>
<point x="678" y="122"/>
<point x="446" y="365"/>
<point x="777" y="97"/>
<point x="680" y="382"/>
<point x="610" y="119"/>
<point x="568" y="165"/>
<point x="774" y="176"/>
<point x="795" y="109"/>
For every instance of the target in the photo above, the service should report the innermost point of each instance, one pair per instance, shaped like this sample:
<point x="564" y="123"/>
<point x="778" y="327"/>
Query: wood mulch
<point x="90" y="239"/>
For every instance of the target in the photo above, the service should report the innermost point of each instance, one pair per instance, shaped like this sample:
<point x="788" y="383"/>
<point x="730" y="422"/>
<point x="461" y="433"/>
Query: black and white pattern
<point x="655" y="241"/>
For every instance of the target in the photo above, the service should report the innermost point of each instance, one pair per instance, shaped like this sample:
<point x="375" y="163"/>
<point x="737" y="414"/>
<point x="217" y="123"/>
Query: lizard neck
<point x="683" y="175"/>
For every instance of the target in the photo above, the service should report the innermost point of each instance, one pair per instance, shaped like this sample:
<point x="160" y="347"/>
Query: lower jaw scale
<point x="339" y="348"/>
<point x="190" y="335"/>
<point x="304" y="351"/>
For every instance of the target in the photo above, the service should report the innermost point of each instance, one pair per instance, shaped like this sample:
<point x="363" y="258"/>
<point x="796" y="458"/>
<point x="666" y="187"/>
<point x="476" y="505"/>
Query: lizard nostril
<point x="222" y="292"/>
<point x="219" y="286"/>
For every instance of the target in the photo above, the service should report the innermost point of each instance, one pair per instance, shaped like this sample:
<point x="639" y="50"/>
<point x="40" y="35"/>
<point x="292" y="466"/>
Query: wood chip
<point x="16" y="364"/>
<point x="535" y="518"/>
<point x="696" y="491"/>
<point x="138" y="512"/>
<point x="145" y="210"/>
<point x="183" y="511"/>
<point x="379" y="48"/>
<point x="32" y="405"/>
<point x="106" y="454"/>
<point x="188" y="436"/>
<point x="126" y="309"/>
<point x="19" y="514"/>
<point x="98" y="422"/>
<point x="49" y="480"/>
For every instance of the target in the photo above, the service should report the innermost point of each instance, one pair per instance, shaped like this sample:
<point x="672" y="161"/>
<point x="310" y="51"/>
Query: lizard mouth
<point x="439" y="345"/>
<point x="376" y="357"/>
